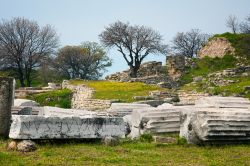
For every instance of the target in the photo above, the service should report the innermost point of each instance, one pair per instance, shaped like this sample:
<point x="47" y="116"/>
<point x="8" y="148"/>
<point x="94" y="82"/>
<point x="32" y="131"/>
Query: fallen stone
<point x="12" y="145"/>
<point x="223" y="102"/>
<point x="110" y="141"/>
<point x="122" y="109"/>
<point x="152" y="103"/>
<point x="164" y="139"/>
<point x="161" y="120"/>
<point x="55" y="111"/>
<point x="216" y="125"/>
<point x="25" y="103"/>
<point x="44" y="127"/>
<point x="197" y="79"/>
<point x="26" y="146"/>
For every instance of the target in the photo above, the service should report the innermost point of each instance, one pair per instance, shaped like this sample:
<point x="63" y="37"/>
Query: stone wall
<point x="175" y="66"/>
<point x="217" y="47"/>
<point x="190" y="97"/>
<point x="82" y="98"/>
<point x="147" y="70"/>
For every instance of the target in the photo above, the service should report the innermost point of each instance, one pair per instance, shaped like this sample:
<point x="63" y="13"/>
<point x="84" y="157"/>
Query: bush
<point x="59" y="98"/>
<point x="181" y="141"/>
<point x="146" y="137"/>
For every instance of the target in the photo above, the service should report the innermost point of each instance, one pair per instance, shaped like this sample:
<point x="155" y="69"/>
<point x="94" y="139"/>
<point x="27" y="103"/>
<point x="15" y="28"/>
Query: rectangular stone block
<point x="40" y="127"/>
<point x="216" y="126"/>
<point x="122" y="109"/>
<point x="55" y="111"/>
<point x="223" y="102"/>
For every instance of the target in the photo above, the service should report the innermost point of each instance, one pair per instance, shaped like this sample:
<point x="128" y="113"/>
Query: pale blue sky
<point x="83" y="20"/>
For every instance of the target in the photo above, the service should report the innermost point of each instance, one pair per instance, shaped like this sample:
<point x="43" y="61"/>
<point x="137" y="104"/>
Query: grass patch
<point x="130" y="153"/>
<point x="235" y="88"/>
<point x="122" y="91"/>
<point x="59" y="98"/>
<point x="208" y="65"/>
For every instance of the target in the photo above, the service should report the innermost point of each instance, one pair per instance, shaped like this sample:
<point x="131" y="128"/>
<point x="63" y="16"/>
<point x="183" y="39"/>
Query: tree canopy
<point x="87" y="61"/>
<point x="23" y="45"/>
<point x="189" y="43"/>
<point x="134" y="43"/>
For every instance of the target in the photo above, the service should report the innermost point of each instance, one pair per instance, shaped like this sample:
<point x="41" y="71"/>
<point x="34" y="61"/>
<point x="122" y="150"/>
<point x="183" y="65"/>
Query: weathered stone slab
<point x="25" y="103"/>
<point x="216" y="125"/>
<point x="122" y="109"/>
<point x="40" y="127"/>
<point x="155" y="121"/>
<point x="55" y="111"/>
<point x="6" y="101"/>
<point x="223" y="102"/>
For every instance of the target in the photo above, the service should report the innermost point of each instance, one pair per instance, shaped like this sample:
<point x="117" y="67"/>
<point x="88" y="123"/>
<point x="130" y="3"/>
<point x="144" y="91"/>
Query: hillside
<point x="222" y="75"/>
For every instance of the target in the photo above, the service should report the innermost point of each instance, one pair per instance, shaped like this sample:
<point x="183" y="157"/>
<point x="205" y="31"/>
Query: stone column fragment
<point x="6" y="101"/>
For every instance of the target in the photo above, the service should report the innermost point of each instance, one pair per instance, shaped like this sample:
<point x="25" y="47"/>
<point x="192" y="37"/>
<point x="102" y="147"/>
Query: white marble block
<point x="42" y="127"/>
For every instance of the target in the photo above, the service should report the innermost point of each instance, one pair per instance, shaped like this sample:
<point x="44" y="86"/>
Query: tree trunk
<point x="21" y="81"/>
<point x="133" y="71"/>
<point x="6" y="100"/>
<point x="28" y="80"/>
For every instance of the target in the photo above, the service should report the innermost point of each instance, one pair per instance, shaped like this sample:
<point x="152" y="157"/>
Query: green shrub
<point x="181" y="141"/>
<point x="59" y="98"/>
<point x="146" y="137"/>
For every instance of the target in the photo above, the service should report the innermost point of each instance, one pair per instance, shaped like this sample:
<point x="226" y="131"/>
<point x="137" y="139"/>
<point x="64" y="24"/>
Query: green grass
<point x="208" y="65"/>
<point x="118" y="90"/>
<point x="235" y="88"/>
<point x="127" y="153"/>
<point x="59" y="98"/>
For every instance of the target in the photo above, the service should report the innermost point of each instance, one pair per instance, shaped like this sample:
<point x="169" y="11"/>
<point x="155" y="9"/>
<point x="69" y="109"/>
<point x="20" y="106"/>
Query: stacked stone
<point x="217" y="120"/>
<point x="150" y="68"/>
<point x="175" y="66"/>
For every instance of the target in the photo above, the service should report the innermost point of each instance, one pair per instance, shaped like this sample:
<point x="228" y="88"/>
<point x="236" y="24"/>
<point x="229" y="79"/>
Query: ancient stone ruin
<point x="6" y="101"/>
<point x="64" y="127"/>
<point x="217" y="120"/>
<point x="217" y="47"/>
<point x="175" y="66"/>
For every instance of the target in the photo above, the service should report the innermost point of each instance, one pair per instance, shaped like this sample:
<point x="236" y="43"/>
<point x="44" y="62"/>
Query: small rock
<point x="110" y="141"/>
<point x="12" y="145"/>
<point x="26" y="146"/>
<point x="164" y="140"/>
<point x="197" y="79"/>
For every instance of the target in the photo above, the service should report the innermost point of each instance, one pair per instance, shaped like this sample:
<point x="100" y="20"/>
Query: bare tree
<point x="245" y="26"/>
<point x="87" y="61"/>
<point x="133" y="42"/>
<point x="23" y="44"/>
<point x="232" y="23"/>
<point x="188" y="44"/>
